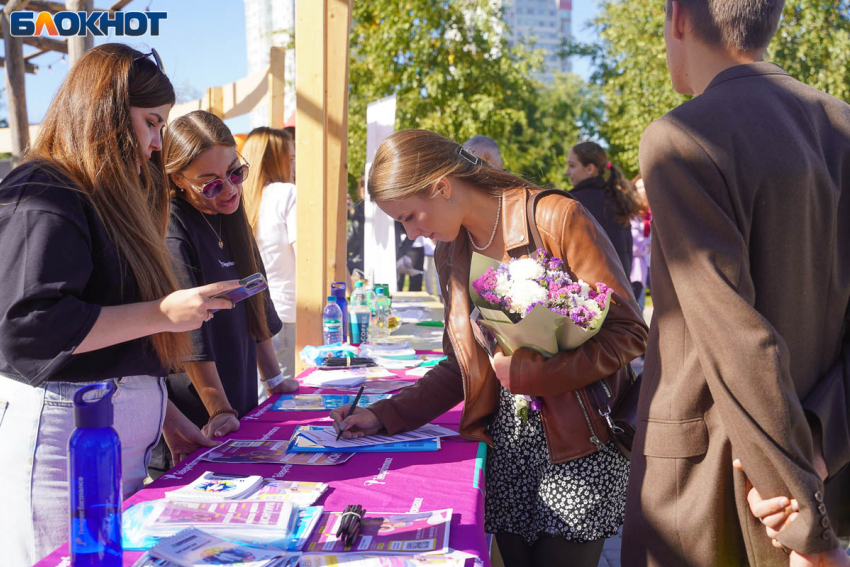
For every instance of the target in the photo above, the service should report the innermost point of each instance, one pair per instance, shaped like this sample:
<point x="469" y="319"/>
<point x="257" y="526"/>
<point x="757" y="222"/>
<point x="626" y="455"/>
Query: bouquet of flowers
<point x="534" y="303"/>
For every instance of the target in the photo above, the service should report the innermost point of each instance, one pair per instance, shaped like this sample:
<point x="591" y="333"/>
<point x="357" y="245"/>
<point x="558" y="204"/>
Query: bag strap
<point x="530" y="214"/>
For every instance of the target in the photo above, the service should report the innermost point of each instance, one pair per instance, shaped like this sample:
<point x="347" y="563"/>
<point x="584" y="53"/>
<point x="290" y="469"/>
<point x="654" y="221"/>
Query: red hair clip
<point x="608" y="165"/>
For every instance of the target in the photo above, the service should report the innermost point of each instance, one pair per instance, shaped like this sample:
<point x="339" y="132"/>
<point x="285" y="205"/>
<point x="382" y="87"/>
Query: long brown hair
<point x="88" y="136"/>
<point x="619" y="191"/>
<point x="411" y="161"/>
<point x="185" y="139"/>
<point x="267" y="150"/>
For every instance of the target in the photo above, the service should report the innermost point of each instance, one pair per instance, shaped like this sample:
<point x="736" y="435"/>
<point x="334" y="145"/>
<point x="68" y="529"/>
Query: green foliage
<point x="812" y="44"/>
<point x="453" y="72"/>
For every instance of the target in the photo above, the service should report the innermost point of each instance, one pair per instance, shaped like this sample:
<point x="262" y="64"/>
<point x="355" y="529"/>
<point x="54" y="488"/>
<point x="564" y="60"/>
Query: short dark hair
<point x="743" y="25"/>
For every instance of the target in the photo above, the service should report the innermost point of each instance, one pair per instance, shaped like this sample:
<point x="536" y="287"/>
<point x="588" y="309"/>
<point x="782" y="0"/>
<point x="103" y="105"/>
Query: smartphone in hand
<point x="249" y="286"/>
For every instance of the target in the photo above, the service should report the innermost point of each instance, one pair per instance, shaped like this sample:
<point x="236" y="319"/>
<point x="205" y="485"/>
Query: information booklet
<point x="192" y="547"/>
<point x="300" y="493"/>
<point x="305" y="444"/>
<point x="377" y="386"/>
<point x="247" y="451"/>
<point x="326" y="436"/>
<point x="323" y="402"/>
<point x="147" y="560"/>
<point x="345" y="376"/>
<point x="217" y="486"/>
<point x="452" y="559"/>
<point x="386" y="534"/>
<point x="249" y="516"/>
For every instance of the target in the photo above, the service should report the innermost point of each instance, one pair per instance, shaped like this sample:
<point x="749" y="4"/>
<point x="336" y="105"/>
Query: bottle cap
<point x="358" y="284"/>
<point x="331" y="299"/>
<point x="95" y="413"/>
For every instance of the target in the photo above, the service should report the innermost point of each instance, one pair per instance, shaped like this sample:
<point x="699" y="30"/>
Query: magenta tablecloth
<point x="452" y="477"/>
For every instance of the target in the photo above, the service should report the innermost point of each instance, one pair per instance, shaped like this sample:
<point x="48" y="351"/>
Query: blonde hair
<point x="185" y="139"/>
<point x="268" y="150"/>
<point x="413" y="161"/>
<point x="88" y="136"/>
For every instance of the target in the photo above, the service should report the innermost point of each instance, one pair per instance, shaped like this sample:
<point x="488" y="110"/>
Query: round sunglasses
<point x="211" y="189"/>
<point x="156" y="59"/>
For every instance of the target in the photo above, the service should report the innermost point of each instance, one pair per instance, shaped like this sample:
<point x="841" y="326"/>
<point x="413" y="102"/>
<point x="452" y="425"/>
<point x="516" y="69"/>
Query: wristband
<point x="221" y="411"/>
<point x="274" y="381"/>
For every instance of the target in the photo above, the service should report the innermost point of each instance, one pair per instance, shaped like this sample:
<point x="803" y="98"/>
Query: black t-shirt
<point x="591" y="193"/>
<point x="225" y="339"/>
<point x="59" y="268"/>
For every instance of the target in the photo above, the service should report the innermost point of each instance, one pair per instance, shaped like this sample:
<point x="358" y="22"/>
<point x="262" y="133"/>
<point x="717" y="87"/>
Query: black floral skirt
<point x="581" y="500"/>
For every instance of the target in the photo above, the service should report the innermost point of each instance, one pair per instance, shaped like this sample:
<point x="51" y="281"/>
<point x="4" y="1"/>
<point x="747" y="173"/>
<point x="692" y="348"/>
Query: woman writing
<point x="551" y="492"/>
<point x="601" y="187"/>
<point x="210" y="239"/>
<point x="88" y="291"/>
<point x="269" y="197"/>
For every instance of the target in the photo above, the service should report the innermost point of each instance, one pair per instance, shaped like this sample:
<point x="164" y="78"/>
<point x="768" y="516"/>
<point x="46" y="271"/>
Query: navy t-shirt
<point x="59" y="268"/>
<point x="225" y="339"/>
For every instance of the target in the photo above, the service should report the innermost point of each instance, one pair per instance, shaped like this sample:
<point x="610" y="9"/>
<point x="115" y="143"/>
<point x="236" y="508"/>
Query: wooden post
<point x="277" y="86"/>
<point x="214" y="101"/>
<point x="79" y="44"/>
<point x="311" y="152"/>
<point x="338" y="26"/>
<point x="16" y="96"/>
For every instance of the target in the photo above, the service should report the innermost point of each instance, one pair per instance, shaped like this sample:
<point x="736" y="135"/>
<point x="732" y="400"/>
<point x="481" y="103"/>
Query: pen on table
<point x="350" y="410"/>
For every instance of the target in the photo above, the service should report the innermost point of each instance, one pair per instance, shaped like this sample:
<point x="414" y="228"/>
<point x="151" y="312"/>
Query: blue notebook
<point x="300" y="444"/>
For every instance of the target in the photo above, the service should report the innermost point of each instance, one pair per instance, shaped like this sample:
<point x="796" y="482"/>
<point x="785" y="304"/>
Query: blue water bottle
<point x="338" y="290"/>
<point x="94" y="477"/>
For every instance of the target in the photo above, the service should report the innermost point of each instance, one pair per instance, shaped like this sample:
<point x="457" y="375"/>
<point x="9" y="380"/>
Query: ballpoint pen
<point x="351" y="410"/>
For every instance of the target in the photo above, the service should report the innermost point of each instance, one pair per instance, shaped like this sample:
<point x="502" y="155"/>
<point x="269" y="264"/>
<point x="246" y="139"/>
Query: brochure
<point x="287" y="560"/>
<point x="345" y="376"/>
<point x="249" y="515"/>
<point x="327" y="402"/>
<point x="300" y="493"/>
<point x="377" y="386"/>
<point x="192" y="547"/>
<point x="302" y="443"/>
<point x="386" y="534"/>
<point x="451" y="559"/>
<point x="247" y="451"/>
<point x="217" y="486"/>
<point x="326" y="436"/>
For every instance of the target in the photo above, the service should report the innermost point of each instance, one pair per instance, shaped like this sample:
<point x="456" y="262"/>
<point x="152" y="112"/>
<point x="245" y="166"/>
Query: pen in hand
<point x="350" y="410"/>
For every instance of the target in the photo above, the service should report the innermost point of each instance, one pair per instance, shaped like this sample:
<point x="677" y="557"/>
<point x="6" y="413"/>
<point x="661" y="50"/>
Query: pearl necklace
<point x="492" y="234"/>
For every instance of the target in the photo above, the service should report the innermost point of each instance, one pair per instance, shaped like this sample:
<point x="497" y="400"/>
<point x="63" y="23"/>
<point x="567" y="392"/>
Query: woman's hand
<point x="221" y="425"/>
<point x="182" y="436"/>
<point x="502" y="367"/>
<point x="288" y="386"/>
<point x="362" y="422"/>
<point x="187" y="309"/>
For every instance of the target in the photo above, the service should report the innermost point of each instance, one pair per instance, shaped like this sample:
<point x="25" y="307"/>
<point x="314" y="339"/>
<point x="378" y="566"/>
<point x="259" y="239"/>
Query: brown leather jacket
<point x="572" y="426"/>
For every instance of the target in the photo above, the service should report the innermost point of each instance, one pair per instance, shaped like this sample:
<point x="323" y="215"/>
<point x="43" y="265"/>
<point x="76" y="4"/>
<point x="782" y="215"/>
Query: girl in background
<point x="269" y="198"/>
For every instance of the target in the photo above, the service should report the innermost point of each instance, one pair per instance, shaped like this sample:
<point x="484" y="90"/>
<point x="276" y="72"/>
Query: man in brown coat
<point x="749" y="184"/>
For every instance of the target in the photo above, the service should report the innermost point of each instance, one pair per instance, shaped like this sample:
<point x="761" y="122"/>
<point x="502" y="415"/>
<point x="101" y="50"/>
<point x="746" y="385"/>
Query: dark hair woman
<point x="551" y="491"/>
<point x="601" y="187"/>
<point x="210" y="239"/>
<point x="88" y="291"/>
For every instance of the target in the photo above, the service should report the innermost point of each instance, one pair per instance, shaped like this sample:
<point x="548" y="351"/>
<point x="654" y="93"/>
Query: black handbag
<point x="619" y="414"/>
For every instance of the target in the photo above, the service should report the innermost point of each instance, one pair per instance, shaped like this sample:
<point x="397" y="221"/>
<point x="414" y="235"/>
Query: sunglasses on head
<point x="211" y="189"/>
<point x="156" y="59"/>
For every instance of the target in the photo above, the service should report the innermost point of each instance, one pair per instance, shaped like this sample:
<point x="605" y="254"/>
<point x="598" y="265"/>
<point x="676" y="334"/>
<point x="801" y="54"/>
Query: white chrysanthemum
<point x="524" y="293"/>
<point x="526" y="269"/>
<point x="592" y="306"/>
<point x="503" y="285"/>
<point x="585" y="288"/>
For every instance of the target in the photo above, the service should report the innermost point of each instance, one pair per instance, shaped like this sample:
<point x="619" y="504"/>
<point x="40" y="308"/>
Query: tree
<point x="812" y="44"/>
<point x="452" y="70"/>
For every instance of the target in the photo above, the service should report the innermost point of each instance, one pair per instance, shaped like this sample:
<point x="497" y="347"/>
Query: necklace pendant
<point x="221" y="244"/>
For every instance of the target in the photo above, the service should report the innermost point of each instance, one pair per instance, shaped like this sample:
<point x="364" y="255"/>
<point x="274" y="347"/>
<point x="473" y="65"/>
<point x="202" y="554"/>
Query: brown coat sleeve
<point x="743" y="359"/>
<point x="570" y="233"/>
<point x="434" y="394"/>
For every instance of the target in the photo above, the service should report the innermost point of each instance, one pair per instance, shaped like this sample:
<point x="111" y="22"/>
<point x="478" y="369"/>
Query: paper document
<point x="327" y="436"/>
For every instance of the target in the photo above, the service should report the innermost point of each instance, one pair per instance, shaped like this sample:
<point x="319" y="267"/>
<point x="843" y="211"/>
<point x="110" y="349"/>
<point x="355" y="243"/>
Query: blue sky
<point x="202" y="44"/>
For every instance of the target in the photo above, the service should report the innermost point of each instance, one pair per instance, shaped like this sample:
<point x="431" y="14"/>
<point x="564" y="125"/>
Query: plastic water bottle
<point x="332" y="322"/>
<point x="380" y="321"/>
<point x="338" y="291"/>
<point x="358" y="314"/>
<point x="94" y="476"/>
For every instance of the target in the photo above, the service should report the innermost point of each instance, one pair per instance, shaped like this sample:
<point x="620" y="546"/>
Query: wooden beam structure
<point x="35" y="54"/>
<point x="16" y="98"/>
<point x="79" y="44"/>
<point x="276" y="86"/>
<point x="42" y="6"/>
<point x="28" y="67"/>
<point x="47" y="44"/>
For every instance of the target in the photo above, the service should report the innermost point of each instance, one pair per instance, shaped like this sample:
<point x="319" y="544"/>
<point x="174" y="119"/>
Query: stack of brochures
<point x="313" y="438"/>
<point x="258" y="451"/>
<point x="322" y="402"/>
<point x="252" y="519"/>
<point x="217" y="486"/>
<point x="345" y="376"/>
<point x="450" y="559"/>
<point x="192" y="547"/>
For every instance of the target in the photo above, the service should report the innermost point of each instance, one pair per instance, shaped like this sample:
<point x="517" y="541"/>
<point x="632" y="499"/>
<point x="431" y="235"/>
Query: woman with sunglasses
<point x="210" y="239"/>
<point x="88" y="292"/>
<point x="270" y="205"/>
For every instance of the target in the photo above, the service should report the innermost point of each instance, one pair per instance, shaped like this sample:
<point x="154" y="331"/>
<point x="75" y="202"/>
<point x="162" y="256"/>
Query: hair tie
<point x="608" y="165"/>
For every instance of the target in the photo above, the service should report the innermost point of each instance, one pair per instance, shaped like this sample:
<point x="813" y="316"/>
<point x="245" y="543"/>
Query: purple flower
<point x="581" y="316"/>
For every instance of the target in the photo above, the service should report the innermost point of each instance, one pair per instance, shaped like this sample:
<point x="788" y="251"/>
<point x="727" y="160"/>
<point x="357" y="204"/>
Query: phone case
<point x="249" y="286"/>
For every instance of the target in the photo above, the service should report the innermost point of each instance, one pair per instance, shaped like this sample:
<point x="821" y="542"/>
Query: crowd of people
<point x="119" y="229"/>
